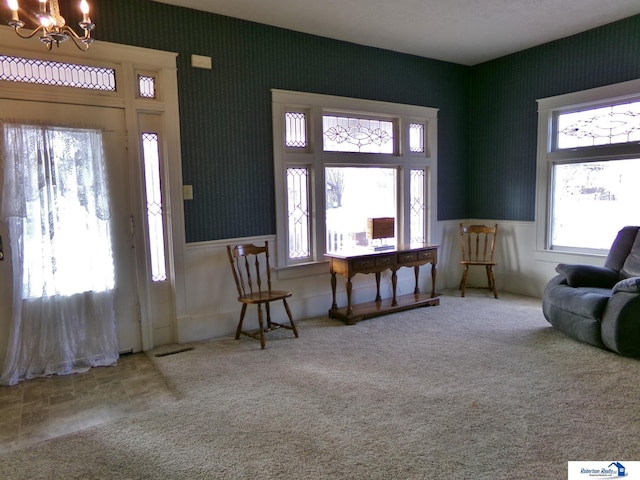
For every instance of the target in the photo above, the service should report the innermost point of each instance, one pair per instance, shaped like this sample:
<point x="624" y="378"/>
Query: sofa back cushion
<point x="631" y="267"/>
<point x="625" y="242"/>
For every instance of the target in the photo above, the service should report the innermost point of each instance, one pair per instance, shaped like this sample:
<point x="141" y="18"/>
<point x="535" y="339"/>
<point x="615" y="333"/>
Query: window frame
<point x="313" y="158"/>
<point x="548" y="155"/>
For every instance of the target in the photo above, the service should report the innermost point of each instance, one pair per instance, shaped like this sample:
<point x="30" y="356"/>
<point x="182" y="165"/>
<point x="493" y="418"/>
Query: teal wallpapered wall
<point x="487" y="113"/>
<point x="502" y="167"/>
<point x="225" y="113"/>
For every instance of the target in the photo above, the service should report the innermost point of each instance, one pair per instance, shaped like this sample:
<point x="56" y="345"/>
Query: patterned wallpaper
<point x="503" y="141"/>
<point x="487" y="113"/>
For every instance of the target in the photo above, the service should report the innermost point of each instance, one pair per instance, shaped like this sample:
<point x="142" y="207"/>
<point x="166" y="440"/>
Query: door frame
<point x="126" y="61"/>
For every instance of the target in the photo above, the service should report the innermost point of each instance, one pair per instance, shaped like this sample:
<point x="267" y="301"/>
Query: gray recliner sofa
<point x="600" y="305"/>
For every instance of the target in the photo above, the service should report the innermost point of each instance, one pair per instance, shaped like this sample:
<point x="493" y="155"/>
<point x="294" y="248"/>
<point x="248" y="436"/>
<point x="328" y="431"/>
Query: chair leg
<point x="266" y="306"/>
<point x="261" y="325"/>
<point x="492" y="283"/>
<point x="242" y="313"/>
<point x="463" y="282"/>
<point x="293" y="325"/>
<point x="489" y="282"/>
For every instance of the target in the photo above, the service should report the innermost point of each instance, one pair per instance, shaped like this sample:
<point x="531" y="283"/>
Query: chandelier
<point x="53" y="28"/>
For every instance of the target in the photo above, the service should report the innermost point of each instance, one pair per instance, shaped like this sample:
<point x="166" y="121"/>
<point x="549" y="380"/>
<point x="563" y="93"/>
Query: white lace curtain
<point x="55" y="202"/>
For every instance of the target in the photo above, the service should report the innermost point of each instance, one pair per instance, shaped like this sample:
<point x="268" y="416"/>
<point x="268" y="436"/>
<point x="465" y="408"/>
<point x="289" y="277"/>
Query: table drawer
<point x="429" y="255"/>
<point x="364" y="263"/>
<point x="383" y="261"/>
<point x="407" y="257"/>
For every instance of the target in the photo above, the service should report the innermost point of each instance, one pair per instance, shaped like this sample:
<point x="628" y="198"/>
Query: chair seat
<point x="261" y="297"/>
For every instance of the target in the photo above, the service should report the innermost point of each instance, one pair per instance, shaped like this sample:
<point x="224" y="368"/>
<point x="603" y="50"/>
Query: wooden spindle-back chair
<point x="478" y="245"/>
<point x="250" y="264"/>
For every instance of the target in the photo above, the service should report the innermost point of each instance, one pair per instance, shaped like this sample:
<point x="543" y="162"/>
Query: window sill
<point x="554" y="256"/>
<point x="302" y="270"/>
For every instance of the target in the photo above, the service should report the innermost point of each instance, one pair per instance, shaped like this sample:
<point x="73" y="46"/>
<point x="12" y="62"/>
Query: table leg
<point x="334" y="305"/>
<point x="378" y="298"/>
<point x="416" y="273"/>
<point x="433" y="280"/>
<point x="394" y="284"/>
<point x="349" y="288"/>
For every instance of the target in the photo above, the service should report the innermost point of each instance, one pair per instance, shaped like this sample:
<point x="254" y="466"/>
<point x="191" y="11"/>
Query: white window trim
<point x="547" y="107"/>
<point x="316" y="105"/>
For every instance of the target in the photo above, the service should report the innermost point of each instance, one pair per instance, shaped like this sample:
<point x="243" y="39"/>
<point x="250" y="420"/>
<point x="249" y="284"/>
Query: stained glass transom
<point x="298" y="212"/>
<point x="416" y="137"/>
<point x="45" y="72"/>
<point x="608" y="125"/>
<point x="146" y="86"/>
<point x="359" y="135"/>
<point x="295" y="129"/>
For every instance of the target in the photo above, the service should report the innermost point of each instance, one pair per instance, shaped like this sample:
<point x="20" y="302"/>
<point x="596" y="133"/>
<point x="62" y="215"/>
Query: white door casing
<point x="127" y="62"/>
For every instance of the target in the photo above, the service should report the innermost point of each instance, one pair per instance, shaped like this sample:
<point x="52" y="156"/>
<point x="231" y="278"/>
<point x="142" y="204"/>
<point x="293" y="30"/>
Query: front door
<point x="112" y="123"/>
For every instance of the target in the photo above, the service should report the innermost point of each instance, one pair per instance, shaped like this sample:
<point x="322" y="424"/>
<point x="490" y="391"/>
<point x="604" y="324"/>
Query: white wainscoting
<point x="211" y="309"/>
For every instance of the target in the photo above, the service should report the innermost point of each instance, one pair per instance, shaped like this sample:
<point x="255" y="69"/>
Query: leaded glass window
<point x="589" y="163"/>
<point x="155" y="216"/>
<point x="416" y="137"/>
<point x="46" y="72"/>
<point x="607" y="125"/>
<point x="296" y="130"/>
<point x="418" y="205"/>
<point x="358" y="135"/>
<point x="146" y="86"/>
<point x="298" y="212"/>
<point x="340" y="162"/>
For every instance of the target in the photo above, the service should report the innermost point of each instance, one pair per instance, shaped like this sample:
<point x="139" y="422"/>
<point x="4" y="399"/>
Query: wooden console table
<point x="348" y="264"/>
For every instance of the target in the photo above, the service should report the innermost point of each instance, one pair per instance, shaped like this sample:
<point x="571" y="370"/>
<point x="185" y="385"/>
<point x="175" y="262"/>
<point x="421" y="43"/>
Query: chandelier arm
<point x="83" y="43"/>
<point x="18" y="30"/>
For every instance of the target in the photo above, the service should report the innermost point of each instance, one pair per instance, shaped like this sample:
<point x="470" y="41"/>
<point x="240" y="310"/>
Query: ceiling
<point x="467" y="32"/>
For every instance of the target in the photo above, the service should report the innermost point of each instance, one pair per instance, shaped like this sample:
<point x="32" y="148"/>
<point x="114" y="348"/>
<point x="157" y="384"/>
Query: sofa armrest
<point x="587" y="275"/>
<point x="621" y="324"/>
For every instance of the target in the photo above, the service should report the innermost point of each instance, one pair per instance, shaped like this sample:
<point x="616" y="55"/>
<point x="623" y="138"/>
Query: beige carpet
<point x="474" y="388"/>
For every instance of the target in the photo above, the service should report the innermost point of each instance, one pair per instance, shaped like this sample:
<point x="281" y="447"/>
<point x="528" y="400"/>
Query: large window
<point x="589" y="161"/>
<point x="340" y="163"/>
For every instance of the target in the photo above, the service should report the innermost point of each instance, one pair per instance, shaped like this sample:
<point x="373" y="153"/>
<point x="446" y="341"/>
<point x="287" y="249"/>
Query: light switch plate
<point x="187" y="192"/>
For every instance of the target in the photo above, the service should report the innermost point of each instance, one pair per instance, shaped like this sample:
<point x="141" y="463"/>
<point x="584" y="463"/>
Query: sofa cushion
<point x="621" y="247"/>
<point x="585" y="302"/>
<point x="631" y="267"/>
<point x="631" y="285"/>
<point x="587" y="275"/>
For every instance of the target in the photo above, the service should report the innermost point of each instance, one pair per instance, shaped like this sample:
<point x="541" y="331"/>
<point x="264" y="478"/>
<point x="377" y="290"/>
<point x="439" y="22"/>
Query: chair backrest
<point x="478" y="242"/>
<point x="622" y="247"/>
<point x="249" y="263"/>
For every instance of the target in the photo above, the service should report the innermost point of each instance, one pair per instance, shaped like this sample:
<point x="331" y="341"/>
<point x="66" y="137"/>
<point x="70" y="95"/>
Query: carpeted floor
<point x="475" y="388"/>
